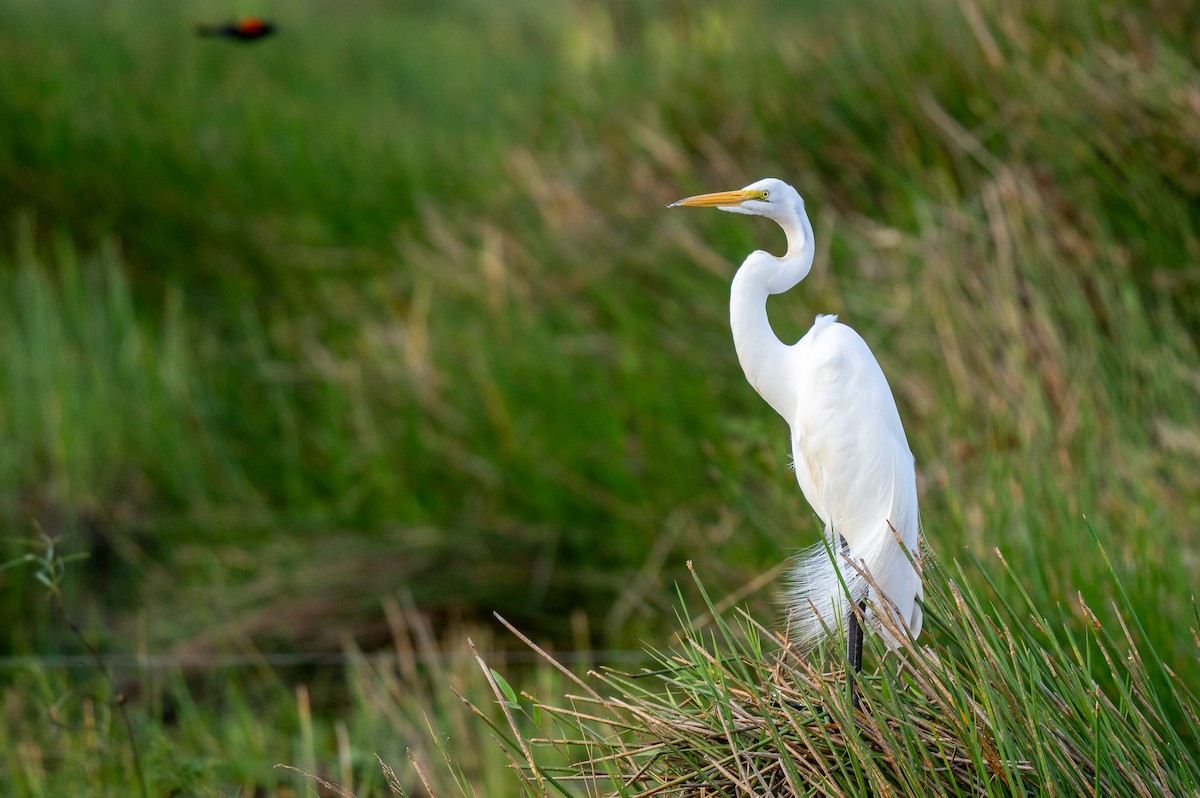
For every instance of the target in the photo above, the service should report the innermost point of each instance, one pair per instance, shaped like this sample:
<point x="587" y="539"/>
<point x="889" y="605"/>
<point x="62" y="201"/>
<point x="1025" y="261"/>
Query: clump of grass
<point x="1000" y="699"/>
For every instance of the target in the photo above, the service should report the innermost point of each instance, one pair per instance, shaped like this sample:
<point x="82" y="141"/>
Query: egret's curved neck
<point x="759" y="350"/>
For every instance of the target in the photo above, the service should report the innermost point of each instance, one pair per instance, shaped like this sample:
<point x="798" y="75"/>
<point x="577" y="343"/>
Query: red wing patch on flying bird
<point x="245" y="29"/>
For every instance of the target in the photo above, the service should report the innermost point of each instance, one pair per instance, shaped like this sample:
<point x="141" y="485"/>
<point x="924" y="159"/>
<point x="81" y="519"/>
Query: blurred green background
<point x="388" y="308"/>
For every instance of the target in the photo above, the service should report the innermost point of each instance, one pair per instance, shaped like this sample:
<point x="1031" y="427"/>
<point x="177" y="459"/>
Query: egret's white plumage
<point x="850" y="454"/>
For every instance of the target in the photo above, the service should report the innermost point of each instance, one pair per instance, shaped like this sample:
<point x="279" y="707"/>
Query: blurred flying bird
<point x="245" y="29"/>
<point x="849" y="450"/>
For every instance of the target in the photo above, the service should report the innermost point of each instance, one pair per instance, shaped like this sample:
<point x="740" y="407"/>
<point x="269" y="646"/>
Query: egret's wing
<point x="855" y="468"/>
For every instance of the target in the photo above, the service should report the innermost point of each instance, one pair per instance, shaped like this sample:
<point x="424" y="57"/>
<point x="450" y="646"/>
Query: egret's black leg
<point x="854" y="647"/>
<point x="854" y="643"/>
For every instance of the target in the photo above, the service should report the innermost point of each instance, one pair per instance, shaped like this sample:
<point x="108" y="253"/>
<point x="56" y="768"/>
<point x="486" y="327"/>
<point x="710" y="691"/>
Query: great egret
<point x="848" y="446"/>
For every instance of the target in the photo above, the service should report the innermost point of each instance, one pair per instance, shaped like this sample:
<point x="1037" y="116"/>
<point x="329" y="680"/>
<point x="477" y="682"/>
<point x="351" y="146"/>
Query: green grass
<point x="228" y="733"/>
<point x="390" y="305"/>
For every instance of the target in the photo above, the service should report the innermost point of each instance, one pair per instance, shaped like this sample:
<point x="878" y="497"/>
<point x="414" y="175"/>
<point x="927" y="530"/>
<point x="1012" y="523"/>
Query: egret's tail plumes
<point x="882" y="576"/>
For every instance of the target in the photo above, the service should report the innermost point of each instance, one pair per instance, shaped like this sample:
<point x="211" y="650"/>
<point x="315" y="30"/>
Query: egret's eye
<point x="765" y="194"/>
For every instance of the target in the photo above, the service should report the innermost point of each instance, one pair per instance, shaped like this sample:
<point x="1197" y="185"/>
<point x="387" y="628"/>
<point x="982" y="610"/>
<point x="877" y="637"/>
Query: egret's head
<point x="768" y="197"/>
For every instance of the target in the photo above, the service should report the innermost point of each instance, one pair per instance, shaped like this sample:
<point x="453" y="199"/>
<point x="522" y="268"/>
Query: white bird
<point x="849" y="451"/>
